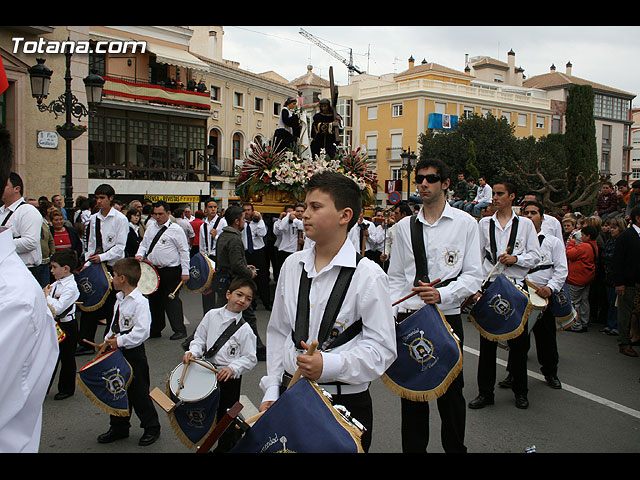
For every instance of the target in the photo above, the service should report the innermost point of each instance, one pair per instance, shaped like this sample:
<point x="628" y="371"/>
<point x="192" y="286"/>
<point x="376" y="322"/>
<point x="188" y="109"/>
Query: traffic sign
<point x="394" y="197"/>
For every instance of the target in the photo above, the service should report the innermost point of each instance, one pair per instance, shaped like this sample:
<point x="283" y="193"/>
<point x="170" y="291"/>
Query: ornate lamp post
<point x="408" y="162"/>
<point x="66" y="104"/>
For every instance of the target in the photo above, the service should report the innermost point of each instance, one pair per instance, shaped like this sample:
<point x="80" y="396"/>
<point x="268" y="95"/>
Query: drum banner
<point x="192" y="422"/>
<point x="200" y="273"/>
<point x="94" y="284"/>
<point x="429" y="356"/>
<point x="502" y="311"/>
<point x="562" y="308"/>
<point x="302" y="420"/>
<point x="105" y="381"/>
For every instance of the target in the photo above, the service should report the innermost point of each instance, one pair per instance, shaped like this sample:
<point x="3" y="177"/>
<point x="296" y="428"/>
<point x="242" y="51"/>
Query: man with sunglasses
<point x="549" y="276"/>
<point x="453" y="255"/>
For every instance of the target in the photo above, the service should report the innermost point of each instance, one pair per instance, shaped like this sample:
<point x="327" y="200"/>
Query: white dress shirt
<point x="28" y="352"/>
<point x="357" y="362"/>
<point x="64" y="293"/>
<point x="207" y="243"/>
<point x="258" y="232"/>
<point x="526" y="248"/>
<point x="452" y="248"/>
<point x="375" y="237"/>
<point x="552" y="226"/>
<point x="552" y="252"/>
<point x="171" y="250"/>
<point x="238" y="353"/>
<point x="26" y="224"/>
<point x="484" y="194"/>
<point x="134" y="319"/>
<point x="288" y="231"/>
<point x="186" y="226"/>
<point x="115" y="230"/>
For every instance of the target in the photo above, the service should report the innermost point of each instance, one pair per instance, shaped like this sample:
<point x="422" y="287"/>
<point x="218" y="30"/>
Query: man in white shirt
<point x="28" y="340"/>
<point x="289" y="226"/>
<point x="24" y="220"/>
<point x="452" y="252"/>
<point x="365" y="236"/>
<point x="209" y="231"/>
<point x="482" y="200"/>
<point x="179" y="215"/>
<point x="515" y="262"/>
<point x="550" y="224"/>
<point x="165" y="246"/>
<point x="107" y="238"/>
<point x="254" y="248"/>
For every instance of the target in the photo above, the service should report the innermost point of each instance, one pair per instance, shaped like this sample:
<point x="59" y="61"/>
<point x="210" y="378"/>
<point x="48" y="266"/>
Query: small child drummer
<point x="129" y="329"/>
<point x="61" y="297"/>
<point x="234" y="357"/>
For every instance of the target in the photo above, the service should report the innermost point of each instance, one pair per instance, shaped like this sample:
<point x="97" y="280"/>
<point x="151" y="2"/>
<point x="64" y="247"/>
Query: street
<point x="597" y="410"/>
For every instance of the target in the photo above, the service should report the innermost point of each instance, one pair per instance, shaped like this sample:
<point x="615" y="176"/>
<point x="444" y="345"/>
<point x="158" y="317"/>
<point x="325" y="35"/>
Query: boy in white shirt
<point x="228" y="342"/>
<point x="61" y="298"/>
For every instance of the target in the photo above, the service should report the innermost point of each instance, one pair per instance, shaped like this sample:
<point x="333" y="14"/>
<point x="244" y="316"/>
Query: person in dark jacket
<point x="136" y="232"/>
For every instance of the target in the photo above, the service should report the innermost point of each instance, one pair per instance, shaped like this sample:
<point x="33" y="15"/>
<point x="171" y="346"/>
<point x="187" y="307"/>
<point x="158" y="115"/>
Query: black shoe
<point x="480" y="402"/>
<point x="148" y="438"/>
<point x="178" y="336"/>
<point x="112" y="436"/>
<point x="522" y="401"/>
<point x="62" y="396"/>
<point x="507" y="382"/>
<point x="553" y="381"/>
<point x="84" y="351"/>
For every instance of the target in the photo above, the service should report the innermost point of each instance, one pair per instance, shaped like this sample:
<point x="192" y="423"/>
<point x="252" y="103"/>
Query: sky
<point x="604" y="54"/>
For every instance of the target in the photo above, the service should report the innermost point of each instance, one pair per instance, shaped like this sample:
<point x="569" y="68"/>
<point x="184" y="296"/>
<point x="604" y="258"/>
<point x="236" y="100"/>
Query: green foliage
<point x="580" y="135"/>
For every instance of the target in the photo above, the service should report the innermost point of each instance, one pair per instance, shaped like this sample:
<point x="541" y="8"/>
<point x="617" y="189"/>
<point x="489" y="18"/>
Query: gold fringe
<point x="353" y="431"/>
<point x="178" y="431"/>
<point x="104" y="299"/>
<point x="116" y="412"/>
<point x="207" y="284"/>
<point x="433" y="394"/>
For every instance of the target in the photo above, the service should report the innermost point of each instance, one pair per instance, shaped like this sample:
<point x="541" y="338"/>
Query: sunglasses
<point x="430" y="178"/>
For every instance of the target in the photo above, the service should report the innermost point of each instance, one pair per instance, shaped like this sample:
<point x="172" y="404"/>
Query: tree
<point x="580" y="134"/>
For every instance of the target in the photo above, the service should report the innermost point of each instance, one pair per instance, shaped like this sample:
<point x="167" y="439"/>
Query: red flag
<point x="4" y="82"/>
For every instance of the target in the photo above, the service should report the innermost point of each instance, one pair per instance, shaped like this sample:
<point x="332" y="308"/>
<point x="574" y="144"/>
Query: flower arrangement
<point x="265" y="169"/>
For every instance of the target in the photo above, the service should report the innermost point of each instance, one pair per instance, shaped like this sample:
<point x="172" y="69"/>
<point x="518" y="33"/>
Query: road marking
<point x="569" y="388"/>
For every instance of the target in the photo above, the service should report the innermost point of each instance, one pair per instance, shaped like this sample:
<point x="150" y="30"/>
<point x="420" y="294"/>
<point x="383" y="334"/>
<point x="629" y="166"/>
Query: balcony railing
<point x="119" y="87"/>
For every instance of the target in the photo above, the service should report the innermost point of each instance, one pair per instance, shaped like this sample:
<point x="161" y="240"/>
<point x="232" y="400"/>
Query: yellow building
<point x="390" y="112"/>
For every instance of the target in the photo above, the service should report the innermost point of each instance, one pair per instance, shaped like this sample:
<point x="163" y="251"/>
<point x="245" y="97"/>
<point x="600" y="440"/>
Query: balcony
<point x="159" y="94"/>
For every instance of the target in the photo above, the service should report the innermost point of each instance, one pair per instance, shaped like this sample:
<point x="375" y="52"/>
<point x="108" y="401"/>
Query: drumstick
<point x="205" y="365"/>
<point x="298" y="374"/>
<point x="184" y="372"/>
<point x="430" y="284"/>
<point x="173" y="295"/>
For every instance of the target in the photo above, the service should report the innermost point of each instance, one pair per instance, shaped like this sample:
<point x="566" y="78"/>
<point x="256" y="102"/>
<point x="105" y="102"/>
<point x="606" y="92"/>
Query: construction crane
<point x="349" y="63"/>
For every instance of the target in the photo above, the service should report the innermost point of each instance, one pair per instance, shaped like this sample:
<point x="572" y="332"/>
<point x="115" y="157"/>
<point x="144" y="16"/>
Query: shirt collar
<point x="495" y="219"/>
<point x="447" y="213"/>
<point x="346" y="257"/>
<point x="136" y="293"/>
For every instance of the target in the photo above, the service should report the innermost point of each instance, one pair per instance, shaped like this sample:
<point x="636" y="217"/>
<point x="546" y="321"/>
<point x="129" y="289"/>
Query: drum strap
<point x="115" y="323"/>
<point x="420" y="255"/>
<point x="224" y="338"/>
<point x="98" y="237"/>
<point x="155" y="239"/>
<point x="206" y="232"/>
<point x="6" y="219"/>
<point x="493" y="257"/>
<point x="301" y="332"/>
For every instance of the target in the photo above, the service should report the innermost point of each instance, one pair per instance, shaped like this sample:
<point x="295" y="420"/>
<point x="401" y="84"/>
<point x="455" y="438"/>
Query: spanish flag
<point x="4" y="82"/>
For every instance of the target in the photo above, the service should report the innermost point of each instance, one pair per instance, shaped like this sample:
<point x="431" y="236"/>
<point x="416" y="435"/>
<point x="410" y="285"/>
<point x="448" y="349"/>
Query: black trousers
<point x="229" y="395"/>
<point x="258" y="259"/>
<point x="89" y="321"/>
<point x="518" y="348"/>
<point x="160" y="303"/>
<point x="281" y="256"/>
<point x="544" y="333"/>
<point x="67" y="358"/>
<point x="138" y="394"/>
<point x="451" y="407"/>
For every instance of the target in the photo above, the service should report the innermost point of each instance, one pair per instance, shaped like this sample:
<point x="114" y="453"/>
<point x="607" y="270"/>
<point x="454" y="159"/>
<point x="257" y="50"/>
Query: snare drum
<point x="538" y="305"/>
<point x="201" y="270"/>
<point x="149" y="278"/>
<point x="199" y="382"/>
<point x="94" y="285"/>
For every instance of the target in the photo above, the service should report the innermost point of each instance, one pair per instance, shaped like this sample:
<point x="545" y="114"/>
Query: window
<point x="635" y="173"/>
<point x="606" y="135"/>
<point x="441" y="108"/>
<point x="277" y="107"/>
<point x="467" y="112"/>
<point x="539" y="122"/>
<point x="556" y="124"/>
<point x="396" y="173"/>
<point x="506" y="116"/>
<point x="605" y="162"/>
<point x="396" y="146"/>
<point x="215" y="93"/>
<point x="396" y="110"/>
<point x="522" y="119"/>
<point x="372" y="113"/>
<point x="258" y="104"/>
<point x="238" y="99"/>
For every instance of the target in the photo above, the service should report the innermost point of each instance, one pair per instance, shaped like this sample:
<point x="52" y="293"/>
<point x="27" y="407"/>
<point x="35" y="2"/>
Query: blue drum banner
<point x="105" y="381"/>
<point x="192" y="422"/>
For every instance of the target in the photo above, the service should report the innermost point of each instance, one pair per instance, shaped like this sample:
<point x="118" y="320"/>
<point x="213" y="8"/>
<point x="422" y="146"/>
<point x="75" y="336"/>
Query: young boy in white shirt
<point x="360" y="344"/>
<point x="61" y="297"/>
<point x="129" y="329"/>
<point x="228" y="342"/>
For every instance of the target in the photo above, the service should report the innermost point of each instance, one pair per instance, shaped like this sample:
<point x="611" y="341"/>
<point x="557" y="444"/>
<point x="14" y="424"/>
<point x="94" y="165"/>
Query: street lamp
<point x="66" y="104"/>
<point x="408" y="160"/>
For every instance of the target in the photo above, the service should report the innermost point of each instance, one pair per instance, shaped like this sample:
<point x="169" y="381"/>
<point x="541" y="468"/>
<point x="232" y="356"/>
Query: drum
<point x="538" y="305"/>
<point x="194" y="417"/>
<point x="94" y="284"/>
<point x="429" y="356"/>
<point x="562" y="308"/>
<point x="105" y="381"/>
<point x="502" y="311"/>
<point x="201" y="272"/>
<point x="149" y="278"/>
<point x="303" y="420"/>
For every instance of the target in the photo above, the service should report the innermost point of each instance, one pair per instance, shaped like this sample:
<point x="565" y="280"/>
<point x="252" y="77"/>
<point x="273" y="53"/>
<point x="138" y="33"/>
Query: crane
<point x="349" y="63"/>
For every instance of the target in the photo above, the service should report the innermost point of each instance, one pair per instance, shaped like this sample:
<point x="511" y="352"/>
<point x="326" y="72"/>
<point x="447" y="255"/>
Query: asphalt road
<point x="597" y="410"/>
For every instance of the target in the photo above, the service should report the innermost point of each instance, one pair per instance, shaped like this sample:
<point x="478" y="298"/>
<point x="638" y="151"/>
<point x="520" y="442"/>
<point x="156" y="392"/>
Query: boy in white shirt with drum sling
<point x="227" y="341"/>
<point x="358" y="345"/>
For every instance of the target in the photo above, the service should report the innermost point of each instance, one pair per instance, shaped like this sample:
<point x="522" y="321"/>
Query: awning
<point x="177" y="57"/>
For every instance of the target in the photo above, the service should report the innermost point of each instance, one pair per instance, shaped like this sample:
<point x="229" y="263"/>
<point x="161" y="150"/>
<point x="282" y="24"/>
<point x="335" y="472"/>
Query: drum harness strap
<point x="11" y="212"/>
<point x="493" y="256"/>
<point x="206" y="232"/>
<point x="65" y="312"/>
<point x="224" y="337"/>
<point x="155" y="240"/>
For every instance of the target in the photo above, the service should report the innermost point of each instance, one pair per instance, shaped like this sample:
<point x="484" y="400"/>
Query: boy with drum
<point x="357" y="343"/>
<point x="227" y="341"/>
<point x="128" y="331"/>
